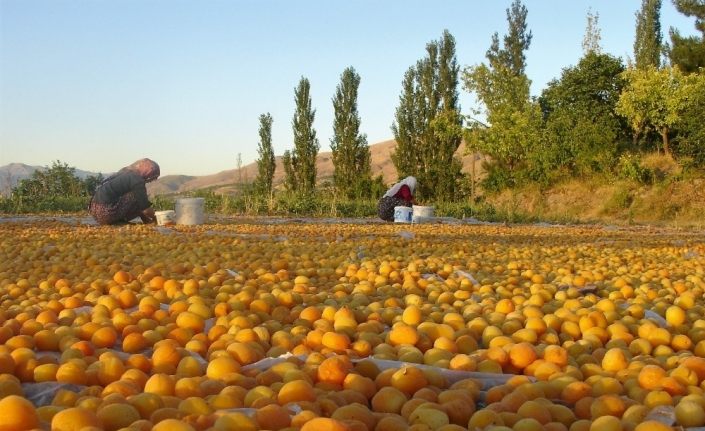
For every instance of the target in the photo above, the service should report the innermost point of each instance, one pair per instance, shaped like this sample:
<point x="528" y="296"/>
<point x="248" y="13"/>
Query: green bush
<point x="629" y="168"/>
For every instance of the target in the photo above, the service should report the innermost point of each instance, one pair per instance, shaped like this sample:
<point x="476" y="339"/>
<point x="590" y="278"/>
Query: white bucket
<point x="422" y="213"/>
<point x="190" y="211"/>
<point x="165" y="218"/>
<point x="402" y="214"/>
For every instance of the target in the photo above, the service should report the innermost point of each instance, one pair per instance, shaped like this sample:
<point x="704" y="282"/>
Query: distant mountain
<point x="13" y="173"/>
<point x="225" y="181"/>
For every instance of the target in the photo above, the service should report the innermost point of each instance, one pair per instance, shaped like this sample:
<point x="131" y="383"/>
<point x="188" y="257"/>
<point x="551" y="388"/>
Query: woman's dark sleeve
<point x="139" y="190"/>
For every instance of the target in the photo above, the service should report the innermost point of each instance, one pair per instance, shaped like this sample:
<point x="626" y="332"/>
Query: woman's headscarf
<point x="408" y="181"/>
<point x="146" y="168"/>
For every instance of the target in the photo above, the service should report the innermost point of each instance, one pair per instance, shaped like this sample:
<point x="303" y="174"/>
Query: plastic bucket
<point x="421" y="212"/>
<point x="402" y="214"/>
<point x="190" y="211"/>
<point x="165" y="218"/>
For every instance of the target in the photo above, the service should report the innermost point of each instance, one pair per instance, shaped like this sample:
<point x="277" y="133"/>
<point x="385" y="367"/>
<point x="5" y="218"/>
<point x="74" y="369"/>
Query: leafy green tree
<point x="582" y="131"/>
<point x="92" y="182"/>
<point x="58" y="180"/>
<point x="56" y="188"/>
<point x="303" y="158"/>
<point x="265" y="163"/>
<point x="654" y="100"/>
<point x="689" y="136"/>
<point x="648" y="41"/>
<point x="351" y="155"/>
<point x="428" y="124"/>
<point x="688" y="53"/>
<point x="502" y="86"/>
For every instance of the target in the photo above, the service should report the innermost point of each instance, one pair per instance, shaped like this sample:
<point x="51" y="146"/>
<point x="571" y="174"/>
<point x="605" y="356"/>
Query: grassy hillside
<point x="672" y="197"/>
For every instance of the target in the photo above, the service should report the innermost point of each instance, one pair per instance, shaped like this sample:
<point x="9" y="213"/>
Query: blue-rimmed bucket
<point x="402" y="214"/>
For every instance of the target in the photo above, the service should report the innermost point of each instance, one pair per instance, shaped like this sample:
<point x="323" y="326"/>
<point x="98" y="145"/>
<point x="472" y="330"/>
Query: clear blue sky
<point x="98" y="84"/>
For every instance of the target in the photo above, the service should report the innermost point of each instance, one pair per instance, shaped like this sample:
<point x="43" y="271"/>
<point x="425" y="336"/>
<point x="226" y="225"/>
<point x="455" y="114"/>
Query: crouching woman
<point x="123" y="196"/>
<point x="400" y="194"/>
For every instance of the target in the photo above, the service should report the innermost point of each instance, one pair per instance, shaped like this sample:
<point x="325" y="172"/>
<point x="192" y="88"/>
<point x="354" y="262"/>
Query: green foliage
<point x="54" y="189"/>
<point x="265" y="163"/>
<point x="620" y="200"/>
<point x="654" y="100"/>
<point x="289" y="173"/>
<point x="688" y="53"/>
<point x="303" y="158"/>
<point x="516" y="42"/>
<point x="689" y="140"/>
<point x="428" y="124"/>
<point x="502" y="86"/>
<point x="582" y="133"/>
<point x="648" y="39"/>
<point x="351" y="155"/>
<point x="629" y="168"/>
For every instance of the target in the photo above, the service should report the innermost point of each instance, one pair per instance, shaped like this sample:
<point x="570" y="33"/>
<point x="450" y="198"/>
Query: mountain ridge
<point x="224" y="181"/>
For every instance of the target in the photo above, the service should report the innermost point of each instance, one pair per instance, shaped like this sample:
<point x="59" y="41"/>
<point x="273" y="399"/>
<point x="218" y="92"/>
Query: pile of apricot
<point x="376" y="327"/>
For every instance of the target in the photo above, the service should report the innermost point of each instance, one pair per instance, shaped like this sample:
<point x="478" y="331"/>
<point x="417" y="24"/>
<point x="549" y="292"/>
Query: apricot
<point x="73" y="419"/>
<point x="18" y="414"/>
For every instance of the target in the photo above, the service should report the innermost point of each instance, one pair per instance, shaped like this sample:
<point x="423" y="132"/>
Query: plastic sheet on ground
<point x="657" y="318"/>
<point x="488" y="380"/>
<point x="691" y="254"/>
<point x="165" y="230"/>
<point x="467" y="275"/>
<point x="42" y="394"/>
<point x="431" y="276"/>
<point x="267" y="363"/>
<point x="652" y="315"/>
<point x="406" y="234"/>
<point x="664" y="414"/>
<point x="435" y="220"/>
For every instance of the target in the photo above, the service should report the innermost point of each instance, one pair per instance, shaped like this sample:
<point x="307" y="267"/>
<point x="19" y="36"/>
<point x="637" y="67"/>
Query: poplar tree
<point x="407" y="126"/>
<point x="648" y="40"/>
<point x="290" y="181"/>
<point x="303" y="158"/>
<point x="351" y="155"/>
<point x="688" y="53"/>
<point x="592" y="37"/>
<point x="266" y="162"/>
<point x="428" y="125"/>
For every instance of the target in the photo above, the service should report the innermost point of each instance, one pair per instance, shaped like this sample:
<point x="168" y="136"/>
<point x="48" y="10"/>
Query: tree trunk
<point x="664" y="137"/>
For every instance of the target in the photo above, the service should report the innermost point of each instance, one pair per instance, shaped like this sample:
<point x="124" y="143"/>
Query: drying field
<point x="360" y="327"/>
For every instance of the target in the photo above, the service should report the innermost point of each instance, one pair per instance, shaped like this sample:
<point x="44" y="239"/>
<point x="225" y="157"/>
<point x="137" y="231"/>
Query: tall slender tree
<point x="265" y="163"/>
<point x="351" y="155"/>
<point x="688" y="53"/>
<point x="592" y="37"/>
<point x="428" y="125"/>
<point x="648" y="45"/>
<point x="290" y="180"/>
<point x="407" y="126"/>
<point x="502" y="86"/>
<point x="303" y="158"/>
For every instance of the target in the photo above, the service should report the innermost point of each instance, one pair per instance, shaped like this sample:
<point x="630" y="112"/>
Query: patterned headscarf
<point x="146" y="168"/>
<point x="408" y="181"/>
